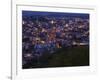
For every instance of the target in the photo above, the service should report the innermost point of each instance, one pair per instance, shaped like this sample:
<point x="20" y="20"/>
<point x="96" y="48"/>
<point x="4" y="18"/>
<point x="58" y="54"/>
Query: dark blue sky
<point x="55" y="14"/>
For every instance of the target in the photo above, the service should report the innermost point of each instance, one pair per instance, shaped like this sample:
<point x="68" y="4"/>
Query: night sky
<point x="55" y="14"/>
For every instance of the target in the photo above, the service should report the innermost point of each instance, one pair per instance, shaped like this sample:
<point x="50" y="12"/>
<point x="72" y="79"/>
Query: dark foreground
<point x="64" y="57"/>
